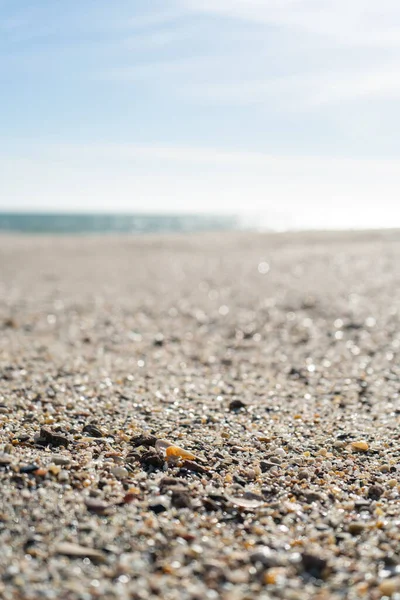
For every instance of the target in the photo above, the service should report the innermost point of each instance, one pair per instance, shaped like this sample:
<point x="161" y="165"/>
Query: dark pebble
<point x="96" y="505"/>
<point x="375" y="492"/>
<point x="264" y="556"/>
<point x="29" y="468"/>
<point x="314" y="565"/>
<point x="158" y="507"/>
<point x="170" y="482"/>
<point x="236" y="405"/>
<point x="181" y="499"/>
<point x="158" y="340"/>
<point x="47" y="438"/>
<point x="152" y="459"/>
<point x="92" y="431"/>
<point x="149" y="441"/>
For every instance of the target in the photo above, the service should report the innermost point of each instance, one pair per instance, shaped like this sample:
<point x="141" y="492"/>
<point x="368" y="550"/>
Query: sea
<point x="57" y="223"/>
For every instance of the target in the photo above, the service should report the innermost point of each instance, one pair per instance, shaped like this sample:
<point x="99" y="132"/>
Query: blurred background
<point x="199" y="114"/>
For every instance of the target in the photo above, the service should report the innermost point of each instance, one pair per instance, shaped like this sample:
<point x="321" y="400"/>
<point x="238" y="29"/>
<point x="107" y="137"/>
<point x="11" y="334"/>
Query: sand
<point x="271" y="359"/>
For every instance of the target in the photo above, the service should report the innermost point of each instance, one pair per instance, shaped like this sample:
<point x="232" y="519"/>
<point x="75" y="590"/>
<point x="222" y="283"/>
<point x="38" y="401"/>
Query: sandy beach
<point x="269" y="362"/>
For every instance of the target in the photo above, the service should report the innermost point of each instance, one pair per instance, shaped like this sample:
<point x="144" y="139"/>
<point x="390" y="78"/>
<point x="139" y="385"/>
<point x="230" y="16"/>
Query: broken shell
<point x="243" y="502"/>
<point x="162" y="445"/>
<point x="177" y="452"/>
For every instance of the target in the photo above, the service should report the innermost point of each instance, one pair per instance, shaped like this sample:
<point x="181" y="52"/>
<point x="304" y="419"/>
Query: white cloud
<point x="355" y="22"/>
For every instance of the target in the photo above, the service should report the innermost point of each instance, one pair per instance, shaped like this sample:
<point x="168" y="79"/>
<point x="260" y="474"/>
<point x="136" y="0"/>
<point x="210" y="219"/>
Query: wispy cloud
<point x="356" y="22"/>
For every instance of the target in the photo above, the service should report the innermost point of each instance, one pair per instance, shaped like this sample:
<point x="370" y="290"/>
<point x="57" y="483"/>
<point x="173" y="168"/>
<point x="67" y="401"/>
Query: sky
<point x="283" y="109"/>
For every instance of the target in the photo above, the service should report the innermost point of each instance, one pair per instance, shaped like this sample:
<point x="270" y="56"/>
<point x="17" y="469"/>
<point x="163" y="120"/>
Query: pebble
<point x="29" y="468"/>
<point x="96" y="505"/>
<point x="92" y="431"/>
<point x="120" y="472"/>
<point x="265" y="556"/>
<point x="58" y="459"/>
<point x="375" y="492"/>
<point x="281" y="452"/>
<point x="360" y="446"/>
<point x="159" y="505"/>
<point x="313" y="564"/>
<point x="236" y="405"/>
<point x="388" y="587"/>
<point x="303" y="474"/>
<point x="5" y="459"/>
<point x="356" y="527"/>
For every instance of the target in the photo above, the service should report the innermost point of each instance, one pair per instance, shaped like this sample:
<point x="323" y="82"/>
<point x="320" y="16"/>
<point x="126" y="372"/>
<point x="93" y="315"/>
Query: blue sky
<point x="288" y="107"/>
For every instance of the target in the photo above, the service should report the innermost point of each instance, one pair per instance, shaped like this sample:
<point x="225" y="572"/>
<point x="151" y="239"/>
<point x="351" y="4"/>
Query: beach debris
<point x="48" y="438"/>
<point x="76" y="551"/>
<point x="172" y="452"/>
<point x="248" y="500"/>
<point x="360" y="446"/>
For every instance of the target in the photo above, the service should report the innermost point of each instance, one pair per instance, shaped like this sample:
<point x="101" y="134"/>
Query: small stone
<point x="5" y="459"/>
<point x="360" y="446"/>
<point x="47" y="438"/>
<point x="264" y="556"/>
<point x="281" y="452"/>
<point x="159" y="505"/>
<point x="235" y="405"/>
<point x="120" y="472"/>
<point x="313" y="564"/>
<point x="265" y="466"/>
<point x="375" y="492"/>
<point x="96" y="505"/>
<point x="170" y="482"/>
<point x="29" y="468"/>
<point x="356" y="527"/>
<point x="181" y="498"/>
<point x="63" y="476"/>
<point x="149" y="441"/>
<point x="92" y="431"/>
<point x="158" y="340"/>
<point x="58" y="459"/>
<point x="388" y="587"/>
<point x="303" y="474"/>
<point x="152" y="459"/>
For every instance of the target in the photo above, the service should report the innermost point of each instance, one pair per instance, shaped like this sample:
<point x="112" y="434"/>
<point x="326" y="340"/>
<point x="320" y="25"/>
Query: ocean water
<point x="115" y="223"/>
